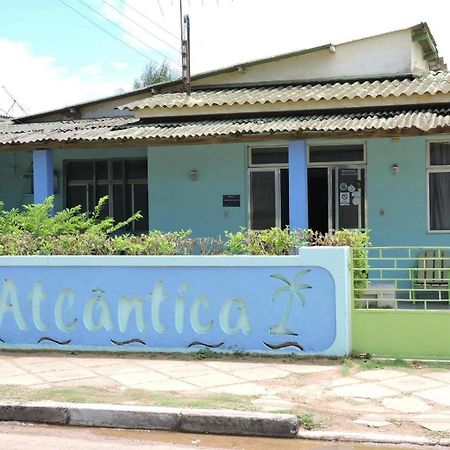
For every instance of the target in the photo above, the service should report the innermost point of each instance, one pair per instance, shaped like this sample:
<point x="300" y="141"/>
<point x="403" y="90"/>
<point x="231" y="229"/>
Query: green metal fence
<point x="402" y="278"/>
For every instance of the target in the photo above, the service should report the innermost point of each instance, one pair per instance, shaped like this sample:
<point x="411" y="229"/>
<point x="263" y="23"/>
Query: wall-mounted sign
<point x="231" y="201"/>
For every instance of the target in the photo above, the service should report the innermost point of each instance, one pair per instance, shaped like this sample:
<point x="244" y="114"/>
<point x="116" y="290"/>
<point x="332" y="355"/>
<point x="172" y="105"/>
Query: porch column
<point x="298" y="185"/>
<point x="42" y="174"/>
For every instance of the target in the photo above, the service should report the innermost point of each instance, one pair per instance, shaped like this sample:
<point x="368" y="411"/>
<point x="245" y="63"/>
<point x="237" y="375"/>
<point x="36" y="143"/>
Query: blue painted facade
<point x="396" y="204"/>
<point x="298" y="304"/>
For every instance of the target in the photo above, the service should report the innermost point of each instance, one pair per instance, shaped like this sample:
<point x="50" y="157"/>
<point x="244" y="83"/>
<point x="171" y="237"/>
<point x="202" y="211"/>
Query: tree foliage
<point x="155" y="73"/>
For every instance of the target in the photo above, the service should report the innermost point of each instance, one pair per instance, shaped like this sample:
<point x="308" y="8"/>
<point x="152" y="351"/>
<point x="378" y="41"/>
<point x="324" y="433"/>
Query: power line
<point x="151" y="20"/>
<point x="140" y="26"/>
<point x="127" y="32"/>
<point x="107" y="32"/>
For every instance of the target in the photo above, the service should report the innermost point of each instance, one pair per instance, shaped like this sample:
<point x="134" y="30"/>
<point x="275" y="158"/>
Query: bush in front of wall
<point x="273" y="241"/>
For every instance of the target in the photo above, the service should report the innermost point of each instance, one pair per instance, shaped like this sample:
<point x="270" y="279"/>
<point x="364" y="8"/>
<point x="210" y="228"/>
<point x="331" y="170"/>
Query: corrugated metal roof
<point x="122" y="129"/>
<point x="433" y="83"/>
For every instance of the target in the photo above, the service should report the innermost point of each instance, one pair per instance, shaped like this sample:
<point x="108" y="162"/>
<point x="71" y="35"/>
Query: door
<point x="336" y="198"/>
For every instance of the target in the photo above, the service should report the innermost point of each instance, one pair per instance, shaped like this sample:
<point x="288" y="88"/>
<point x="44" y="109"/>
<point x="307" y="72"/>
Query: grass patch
<point x="86" y="394"/>
<point x="308" y="422"/>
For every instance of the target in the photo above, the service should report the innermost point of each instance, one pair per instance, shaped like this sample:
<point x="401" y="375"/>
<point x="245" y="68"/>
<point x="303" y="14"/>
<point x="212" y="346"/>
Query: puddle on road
<point x="202" y="441"/>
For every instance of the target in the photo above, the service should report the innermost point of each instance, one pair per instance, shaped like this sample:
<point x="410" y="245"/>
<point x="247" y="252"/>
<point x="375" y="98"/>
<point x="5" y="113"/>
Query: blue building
<point x="354" y="135"/>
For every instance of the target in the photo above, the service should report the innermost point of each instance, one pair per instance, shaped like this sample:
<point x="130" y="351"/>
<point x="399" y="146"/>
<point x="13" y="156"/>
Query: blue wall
<point x="177" y="202"/>
<point x="282" y="304"/>
<point x="403" y="197"/>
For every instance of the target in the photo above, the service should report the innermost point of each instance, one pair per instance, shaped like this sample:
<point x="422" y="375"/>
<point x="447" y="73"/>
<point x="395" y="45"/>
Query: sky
<point x="53" y="52"/>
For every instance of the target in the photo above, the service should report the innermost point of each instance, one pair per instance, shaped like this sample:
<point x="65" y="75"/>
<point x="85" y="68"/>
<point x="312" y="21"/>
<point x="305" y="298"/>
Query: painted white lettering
<point x="126" y="306"/>
<point x="68" y="296"/>
<point x="180" y="305"/>
<point x="196" y="325"/>
<point x="242" y="323"/>
<point x="9" y="302"/>
<point x="157" y="297"/>
<point x="36" y="297"/>
<point x="97" y="302"/>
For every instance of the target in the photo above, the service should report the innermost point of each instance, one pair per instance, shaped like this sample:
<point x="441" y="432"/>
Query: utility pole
<point x="185" y="49"/>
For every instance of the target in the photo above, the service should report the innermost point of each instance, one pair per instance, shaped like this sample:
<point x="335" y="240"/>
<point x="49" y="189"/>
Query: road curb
<point x="239" y="423"/>
<point x="372" y="438"/>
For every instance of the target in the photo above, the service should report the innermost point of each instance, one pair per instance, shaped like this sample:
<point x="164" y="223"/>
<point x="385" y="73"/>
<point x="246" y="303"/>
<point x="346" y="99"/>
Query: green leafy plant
<point x="274" y="241"/>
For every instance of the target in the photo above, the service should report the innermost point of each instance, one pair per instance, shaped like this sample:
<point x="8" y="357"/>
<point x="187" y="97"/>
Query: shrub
<point x="274" y="241"/>
<point x="359" y="243"/>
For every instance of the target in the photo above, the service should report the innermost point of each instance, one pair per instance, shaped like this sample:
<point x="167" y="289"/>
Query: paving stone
<point x="100" y="362"/>
<point x="230" y="366"/>
<point x="166" y="386"/>
<point x="307" y="368"/>
<point x="158" y="364"/>
<point x="437" y="395"/>
<point x="50" y="366"/>
<point x="115" y="369"/>
<point x="344" y="381"/>
<point x="212" y="380"/>
<point x="310" y="390"/>
<point x="406" y="404"/>
<point x="63" y="375"/>
<point x="439" y="422"/>
<point x="188" y="370"/>
<point x="240" y="389"/>
<point x="23" y="380"/>
<point x="440" y="375"/>
<point x="273" y="403"/>
<point x="379" y="374"/>
<point x="373" y="420"/>
<point x="100" y="382"/>
<point x="261" y="373"/>
<point x="133" y="378"/>
<point x="9" y="371"/>
<point x="364" y="390"/>
<point x="411" y="383"/>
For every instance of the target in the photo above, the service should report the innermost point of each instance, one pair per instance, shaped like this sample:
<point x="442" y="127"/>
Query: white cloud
<point x="38" y="83"/>
<point x="91" y="69"/>
<point x="119" y="65"/>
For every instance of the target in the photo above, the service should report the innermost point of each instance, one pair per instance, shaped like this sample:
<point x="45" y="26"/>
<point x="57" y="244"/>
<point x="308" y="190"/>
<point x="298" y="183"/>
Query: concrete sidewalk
<point x="325" y="394"/>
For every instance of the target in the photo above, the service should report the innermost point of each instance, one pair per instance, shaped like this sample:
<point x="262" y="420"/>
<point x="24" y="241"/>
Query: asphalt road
<point x="18" y="436"/>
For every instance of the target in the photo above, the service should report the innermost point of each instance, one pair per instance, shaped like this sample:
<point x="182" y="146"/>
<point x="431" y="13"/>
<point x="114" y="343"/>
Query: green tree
<point x="155" y="73"/>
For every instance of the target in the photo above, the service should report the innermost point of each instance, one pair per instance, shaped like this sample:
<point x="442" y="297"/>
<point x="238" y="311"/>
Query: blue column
<point x="42" y="174"/>
<point x="298" y="185"/>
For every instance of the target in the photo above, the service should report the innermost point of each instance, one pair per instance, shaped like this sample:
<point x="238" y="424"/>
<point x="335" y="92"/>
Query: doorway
<point x="336" y="198"/>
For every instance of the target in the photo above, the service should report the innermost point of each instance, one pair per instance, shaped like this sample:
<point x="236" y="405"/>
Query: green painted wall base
<point x="402" y="334"/>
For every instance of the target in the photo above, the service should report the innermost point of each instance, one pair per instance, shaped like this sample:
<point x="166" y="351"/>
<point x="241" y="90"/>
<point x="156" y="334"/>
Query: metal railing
<point x="402" y="278"/>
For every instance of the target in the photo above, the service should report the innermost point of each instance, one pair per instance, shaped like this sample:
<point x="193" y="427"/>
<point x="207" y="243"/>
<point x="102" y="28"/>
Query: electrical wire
<point x="127" y="32"/>
<point x="151" y="20"/>
<point x="107" y="32"/>
<point x="140" y="26"/>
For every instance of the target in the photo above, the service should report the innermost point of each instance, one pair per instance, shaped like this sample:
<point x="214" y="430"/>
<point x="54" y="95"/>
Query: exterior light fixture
<point x="395" y="169"/>
<point x="193" y="175"/>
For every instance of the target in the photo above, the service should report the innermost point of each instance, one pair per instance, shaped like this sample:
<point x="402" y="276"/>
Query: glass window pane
<point x="439" y="153"/>
<point x="318" y="199"/>
<point x="440" y="201"/>
<point x="336" y="153"/>
<point x="80" y="170"/>
<point x="349" y="198"/>
<point x="141" y="204"/>
<point x="136" y="169"/>
<point x="269" y="155"/>
<point x="284" y="188"/>
<point x="118" y="203"/>
<point x="118" y="170"/>
<point x="101" y="170"/>
<point x="77" y="195"/>
<point x="262" y="191"/>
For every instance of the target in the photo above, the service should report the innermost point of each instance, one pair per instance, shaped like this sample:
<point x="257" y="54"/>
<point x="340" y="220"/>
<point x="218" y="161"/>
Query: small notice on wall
<point x="231" y="201"/>
<point x="344" y="198"/>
